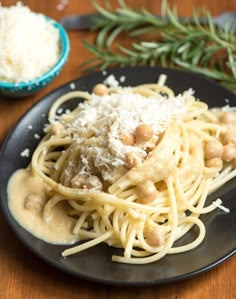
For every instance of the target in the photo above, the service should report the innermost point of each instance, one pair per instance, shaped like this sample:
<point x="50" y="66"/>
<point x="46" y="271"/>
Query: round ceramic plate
<point x="95" y="263"/>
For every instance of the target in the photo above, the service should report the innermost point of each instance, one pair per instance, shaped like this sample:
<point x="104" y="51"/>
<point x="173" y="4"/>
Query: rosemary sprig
<point x="124" y="19"/>
<point x="206" y="49"/>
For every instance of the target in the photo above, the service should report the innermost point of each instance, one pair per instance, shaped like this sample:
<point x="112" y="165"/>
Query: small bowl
<point x="24" y="89"/>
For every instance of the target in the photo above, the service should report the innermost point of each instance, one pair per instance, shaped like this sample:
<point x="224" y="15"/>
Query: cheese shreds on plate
<point x="218" y="203"/>
<point x="111" y="81"/>
<point x="29" y="44"/>
<point x="25" y="153"/>
<point x="106" y="118"/>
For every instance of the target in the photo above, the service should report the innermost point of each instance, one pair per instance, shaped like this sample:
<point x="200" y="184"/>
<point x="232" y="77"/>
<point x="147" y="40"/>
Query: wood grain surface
<point x="25" y="276"/>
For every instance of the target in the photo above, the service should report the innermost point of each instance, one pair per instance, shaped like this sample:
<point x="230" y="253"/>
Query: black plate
<point x="95" y="264"/>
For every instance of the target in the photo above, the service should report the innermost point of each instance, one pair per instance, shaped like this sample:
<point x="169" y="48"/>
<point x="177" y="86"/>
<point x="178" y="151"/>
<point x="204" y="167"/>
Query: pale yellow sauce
<point x="57" y="229"/>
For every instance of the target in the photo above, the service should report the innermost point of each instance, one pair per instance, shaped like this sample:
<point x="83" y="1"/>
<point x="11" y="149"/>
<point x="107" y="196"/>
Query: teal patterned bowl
<point x="24" y="89"/>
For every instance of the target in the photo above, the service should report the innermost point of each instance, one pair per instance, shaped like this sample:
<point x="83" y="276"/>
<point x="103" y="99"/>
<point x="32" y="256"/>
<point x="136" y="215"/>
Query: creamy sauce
<point x="57" y="229"/>
<point x="150" y="170"/>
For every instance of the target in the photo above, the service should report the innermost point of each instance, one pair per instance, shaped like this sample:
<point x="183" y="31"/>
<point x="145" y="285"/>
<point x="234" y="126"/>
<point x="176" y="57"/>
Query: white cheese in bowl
<point x="29" y="44"/>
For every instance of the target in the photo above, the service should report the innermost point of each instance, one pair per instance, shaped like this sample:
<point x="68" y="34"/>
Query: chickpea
<point x="147" y="192"/>
<point x="147" y="188"/>
<point x="100" y="89"/>
<point x="229" y="118"/>
<point x="213" y="149"/>
<point x="214" y="163"/>
<point x="229" y="152"/>
<point x="56" y="128"/>
<point x="132" y="159"/>
<point x="156" y="237"/>
<point x="148" y="198"/>
<point x="35" y="201"/>
<point x="128" y="139"/>
<point x="143" y="133"/>
<point x="230" y="137"/>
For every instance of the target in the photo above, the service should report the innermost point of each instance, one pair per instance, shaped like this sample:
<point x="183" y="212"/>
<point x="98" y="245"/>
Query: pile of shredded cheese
<point x="107" y="118"/>
<point x="29" y="44"/>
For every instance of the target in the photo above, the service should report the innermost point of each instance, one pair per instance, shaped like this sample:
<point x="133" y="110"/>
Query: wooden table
<point x="22" y="274"/>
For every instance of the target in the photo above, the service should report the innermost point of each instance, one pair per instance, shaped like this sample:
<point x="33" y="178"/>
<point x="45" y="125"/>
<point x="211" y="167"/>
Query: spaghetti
<point x="133" y="167"/>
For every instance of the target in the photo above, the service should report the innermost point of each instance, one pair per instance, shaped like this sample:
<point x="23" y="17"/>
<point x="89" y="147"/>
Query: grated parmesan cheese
<point x="60" y="111"/>
<point x="25" y="153"/>
<point x="218" y="204"/>
<point x="162" y="80"/>
<point x="122" y="79"/>
<point x="72" y="86"/>
<point x="29" y="44"/>
<point x="61" y="5"/>
<point x="107" y="118"/>
<point x="111" y="81"/>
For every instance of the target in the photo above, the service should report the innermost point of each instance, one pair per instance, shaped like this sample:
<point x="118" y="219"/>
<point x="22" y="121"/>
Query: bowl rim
<point x="64" y="41"/>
